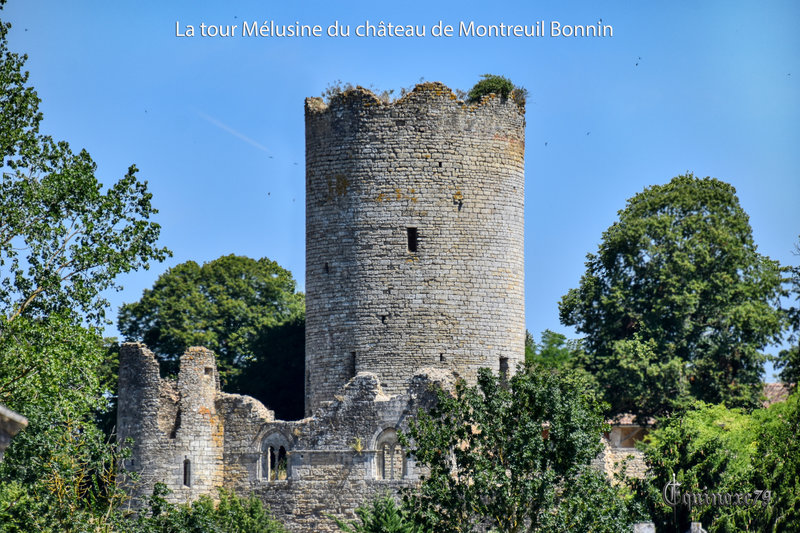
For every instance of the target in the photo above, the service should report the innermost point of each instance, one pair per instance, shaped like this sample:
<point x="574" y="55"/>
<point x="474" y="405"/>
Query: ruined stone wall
<point x="619" y="451"/>
<point x="414" y="275"/>
<point x="333" y="460"/>
<point x="176" y="432"/>
<point x="414" y="238"/>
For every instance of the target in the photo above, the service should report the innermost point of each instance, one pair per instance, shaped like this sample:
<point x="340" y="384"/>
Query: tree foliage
<point x="63" y="240"/>
<point x="713" y="449"/>
<point x="19" y="103"/>
<point x="60" y="474"/>
<point x="232" y="514"/>
<point x="499" y="85"/>
<point x="222" y="305"/>
<point x="275" y="373"/>
<point x="788" y="360"/>
<point x="554" y="351"/>
<point x="244" y="310"/>
<point x="381" y="515"/>
<point x="501" y="456"/>
<point x="677" y="302"/>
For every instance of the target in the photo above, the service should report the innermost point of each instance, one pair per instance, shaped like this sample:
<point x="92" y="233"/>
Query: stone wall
<point x="332" y="462"/>
<point x="619" y="452"/>
<point x="177" y="435"/>
<point x="414" y="275"/>
<point x="414" y="237"/>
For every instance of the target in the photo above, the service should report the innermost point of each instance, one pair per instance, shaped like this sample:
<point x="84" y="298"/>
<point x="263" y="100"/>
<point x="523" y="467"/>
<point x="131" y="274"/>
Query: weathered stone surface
<point x="454" y="175"/>
<point x="414" y="277"/>
<point x="332" y="460"/>
<point x="175" y="429"/>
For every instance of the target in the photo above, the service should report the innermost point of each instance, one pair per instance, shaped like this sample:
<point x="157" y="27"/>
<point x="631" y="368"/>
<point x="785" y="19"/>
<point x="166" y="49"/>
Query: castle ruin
<point x="414" y="275"/>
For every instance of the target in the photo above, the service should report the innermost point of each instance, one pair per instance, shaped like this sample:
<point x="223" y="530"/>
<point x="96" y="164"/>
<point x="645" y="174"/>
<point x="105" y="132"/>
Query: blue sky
<point x="216" y="124"/>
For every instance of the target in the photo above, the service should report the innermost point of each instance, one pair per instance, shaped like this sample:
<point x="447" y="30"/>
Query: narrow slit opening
<point x="412" y="239"/>
<point x="504" y="370"/>
<point x="187" y="473"/>
<point x="351" y="370"/>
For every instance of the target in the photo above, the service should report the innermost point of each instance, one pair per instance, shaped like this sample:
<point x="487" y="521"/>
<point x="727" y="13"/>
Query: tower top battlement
<point x="433" y="92"/>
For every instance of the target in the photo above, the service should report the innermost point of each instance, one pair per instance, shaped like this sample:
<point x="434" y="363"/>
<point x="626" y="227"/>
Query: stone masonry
<point x="414" y="277"/>
<point x="196" y="439"/>
<point x="414" y="238"/>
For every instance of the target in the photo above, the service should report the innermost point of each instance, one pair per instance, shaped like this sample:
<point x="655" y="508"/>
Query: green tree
<point x="501" y="456"/>
<point x="60" y="474"/>
<point x="589" y="502"/>
<point x="677" y="302"/>
<point x="713" y="449"/>
<point x="554" y="351"/>
<point x="19" y="104"/>
<point x="275" y="373"/>
<point x="64" y="239"/>
<point x="788" y="360"/>
<point x="243" y="309"/>
<point x="382" y="515"/>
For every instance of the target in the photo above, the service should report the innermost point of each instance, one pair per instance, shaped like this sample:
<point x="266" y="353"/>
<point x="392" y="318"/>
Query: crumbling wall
<point x="176" y="434"/>
<point x="619" y="453"/>
<point x="333" y="462"/>
<point x="414" y="275"/>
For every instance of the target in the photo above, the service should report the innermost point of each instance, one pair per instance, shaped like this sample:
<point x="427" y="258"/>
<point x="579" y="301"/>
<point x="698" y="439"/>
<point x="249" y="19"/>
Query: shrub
<point x="383" y="515"/>
<point x="499" y="85"/>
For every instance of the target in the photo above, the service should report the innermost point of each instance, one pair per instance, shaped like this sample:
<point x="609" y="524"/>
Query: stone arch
<point x="390" y="458"/>
<point x="274" y="457"/>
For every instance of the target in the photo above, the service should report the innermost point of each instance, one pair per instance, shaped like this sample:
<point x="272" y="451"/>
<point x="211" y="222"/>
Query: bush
<point x="231" y="515"/>
<point x="383" y="515"/>
<point x="500" y="85"/>
<point x="500" y="453"/>
<point x="714" y="449"/>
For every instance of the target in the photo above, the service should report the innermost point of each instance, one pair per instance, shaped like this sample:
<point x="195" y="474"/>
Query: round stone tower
<point x="414" y="237"/>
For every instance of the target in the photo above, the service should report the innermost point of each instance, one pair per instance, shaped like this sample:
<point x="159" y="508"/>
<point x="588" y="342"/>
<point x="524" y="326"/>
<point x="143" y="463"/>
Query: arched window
<point x="274" y="458"/>
<point x="390" y="460"/>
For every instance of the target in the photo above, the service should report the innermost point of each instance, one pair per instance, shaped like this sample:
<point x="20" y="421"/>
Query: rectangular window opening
<point x="187" y="472"/>
<point x="504" y="370"/>
<point x="412" y="239"/>
<point x="351" y="367"/>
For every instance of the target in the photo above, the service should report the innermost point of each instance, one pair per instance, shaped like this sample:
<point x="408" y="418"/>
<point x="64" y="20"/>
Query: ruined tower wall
<point x="177" y="434"/>
<point x="146" y="410"/>
<point x="199" y="437"/>
<point x="414" y="237"/>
